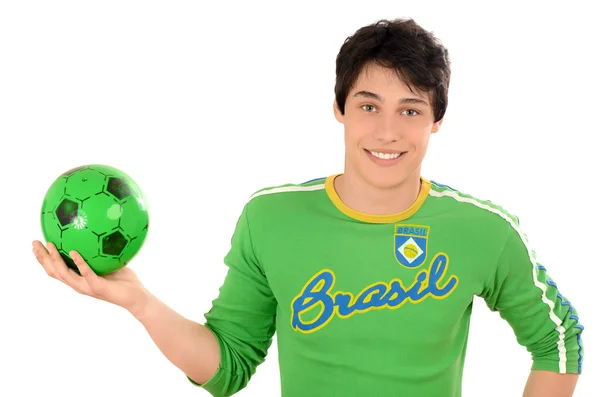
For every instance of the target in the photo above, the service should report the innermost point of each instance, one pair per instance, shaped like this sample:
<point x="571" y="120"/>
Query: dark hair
<point x="420" y="60"/>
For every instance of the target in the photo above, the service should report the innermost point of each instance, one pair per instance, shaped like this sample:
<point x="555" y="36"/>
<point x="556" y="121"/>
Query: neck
<point x="363" y="197"/>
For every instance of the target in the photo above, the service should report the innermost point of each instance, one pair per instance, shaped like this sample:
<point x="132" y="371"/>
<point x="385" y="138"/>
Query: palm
<point x="125" y="275"/>
<point x="121" y="288"/>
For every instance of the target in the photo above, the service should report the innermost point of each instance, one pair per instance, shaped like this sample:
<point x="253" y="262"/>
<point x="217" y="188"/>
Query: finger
<point x="97" y="284"/>
<point x="65" y="274"/>
<point x="43" y="257"/>
<point x="58" y="262"/>
<point x="84" y="269"/>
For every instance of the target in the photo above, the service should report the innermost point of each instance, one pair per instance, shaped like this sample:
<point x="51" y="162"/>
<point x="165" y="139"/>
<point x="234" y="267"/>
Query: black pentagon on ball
<point x="114" y="243"/>
<point x="67" y="211"/>
<point x="118" y="188"/>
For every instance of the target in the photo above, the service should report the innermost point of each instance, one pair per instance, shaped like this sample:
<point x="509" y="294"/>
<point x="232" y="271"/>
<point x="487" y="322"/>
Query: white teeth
<point x="386" y="156"/>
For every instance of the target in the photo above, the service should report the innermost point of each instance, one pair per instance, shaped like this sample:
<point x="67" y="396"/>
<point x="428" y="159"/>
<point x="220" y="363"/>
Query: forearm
<point x="190" y="346"/>
<point x="550" y="384"/>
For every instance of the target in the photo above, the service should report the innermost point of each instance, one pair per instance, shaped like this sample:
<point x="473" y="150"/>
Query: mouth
<point x="387" y="155"/>
<point x="385" y="158"/>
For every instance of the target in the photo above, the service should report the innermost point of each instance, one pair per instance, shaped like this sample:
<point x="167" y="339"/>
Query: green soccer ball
<point x="98" y="211"/>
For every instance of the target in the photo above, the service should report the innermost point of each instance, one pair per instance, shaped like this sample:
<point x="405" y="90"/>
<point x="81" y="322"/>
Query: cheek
<point x="419" y="139"/>
<point x="425" y="139"/>
<point x="357" y="129"/>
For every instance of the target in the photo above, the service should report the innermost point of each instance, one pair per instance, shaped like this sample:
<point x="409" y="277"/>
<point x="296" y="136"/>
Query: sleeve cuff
<point x="553" y="366"/>
<point x="212" y="381"/>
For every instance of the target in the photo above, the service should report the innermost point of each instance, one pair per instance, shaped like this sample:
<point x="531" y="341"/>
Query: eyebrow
<point x="368" y="94"/>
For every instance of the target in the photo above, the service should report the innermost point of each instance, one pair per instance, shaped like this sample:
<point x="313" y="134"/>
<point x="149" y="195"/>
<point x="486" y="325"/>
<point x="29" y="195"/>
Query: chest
<point x="369" y="275"/>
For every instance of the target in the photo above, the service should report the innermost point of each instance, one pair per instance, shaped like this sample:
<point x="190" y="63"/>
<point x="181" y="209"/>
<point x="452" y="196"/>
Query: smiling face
<point x="386" y="129"/>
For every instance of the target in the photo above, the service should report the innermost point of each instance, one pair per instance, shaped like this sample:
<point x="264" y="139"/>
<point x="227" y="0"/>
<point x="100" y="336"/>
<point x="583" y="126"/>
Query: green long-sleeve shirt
<point x="379" y="305"/>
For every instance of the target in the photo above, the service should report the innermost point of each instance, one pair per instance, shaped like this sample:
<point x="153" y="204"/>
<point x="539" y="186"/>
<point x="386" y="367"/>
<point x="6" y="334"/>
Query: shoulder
<point x="470" y="207"/>
<point x="286" y="195"/>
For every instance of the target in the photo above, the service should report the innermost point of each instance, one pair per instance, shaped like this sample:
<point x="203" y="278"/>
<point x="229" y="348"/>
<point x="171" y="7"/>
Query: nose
<point x="388" y="130"/>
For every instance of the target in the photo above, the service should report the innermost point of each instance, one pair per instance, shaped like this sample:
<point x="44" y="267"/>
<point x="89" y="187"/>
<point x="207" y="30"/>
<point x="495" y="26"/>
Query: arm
<point x="222" y="355"/>
<point x="550" y="384"/>
<point x="543" y="319"/>
<point x="188" y="345"/>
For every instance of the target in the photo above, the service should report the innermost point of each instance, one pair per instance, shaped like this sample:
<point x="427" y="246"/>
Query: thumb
<point x="84" y="269"/>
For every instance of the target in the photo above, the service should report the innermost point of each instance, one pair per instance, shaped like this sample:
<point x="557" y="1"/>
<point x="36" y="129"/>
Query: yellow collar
<point x="391" y="218"/>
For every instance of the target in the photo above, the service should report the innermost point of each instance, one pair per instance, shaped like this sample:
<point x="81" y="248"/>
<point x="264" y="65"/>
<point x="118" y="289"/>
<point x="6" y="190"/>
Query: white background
<point x="204" y="104"/>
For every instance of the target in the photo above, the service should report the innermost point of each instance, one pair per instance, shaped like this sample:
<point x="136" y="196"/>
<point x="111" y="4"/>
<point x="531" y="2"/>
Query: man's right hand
<point x="121" y="287"/>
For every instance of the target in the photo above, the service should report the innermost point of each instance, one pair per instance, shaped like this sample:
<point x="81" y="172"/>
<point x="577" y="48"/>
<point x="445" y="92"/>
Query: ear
<point x="337" y="113"/>
<point x="436" y="126"/>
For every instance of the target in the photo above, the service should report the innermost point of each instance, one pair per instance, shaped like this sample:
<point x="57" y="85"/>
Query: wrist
<point x="143" y="305"/>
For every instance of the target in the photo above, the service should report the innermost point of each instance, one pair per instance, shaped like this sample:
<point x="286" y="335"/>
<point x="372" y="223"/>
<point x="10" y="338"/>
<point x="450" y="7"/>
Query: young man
<point x="368" y="277"/>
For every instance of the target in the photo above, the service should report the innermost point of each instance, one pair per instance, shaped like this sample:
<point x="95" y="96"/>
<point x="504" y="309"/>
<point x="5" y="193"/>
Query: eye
<point x="414" y="112"/>
<point x="368" y="108"/>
